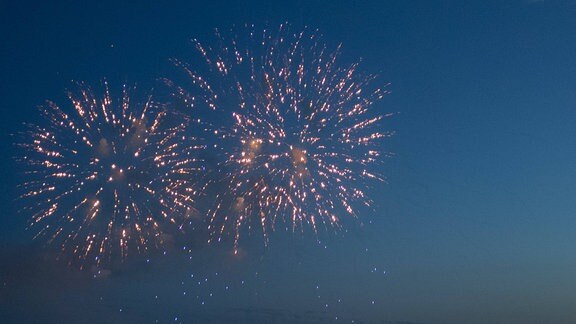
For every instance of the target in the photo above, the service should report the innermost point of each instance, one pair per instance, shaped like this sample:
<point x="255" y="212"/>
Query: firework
<point x="302" y="140"/>
<point x="107" y="176"/>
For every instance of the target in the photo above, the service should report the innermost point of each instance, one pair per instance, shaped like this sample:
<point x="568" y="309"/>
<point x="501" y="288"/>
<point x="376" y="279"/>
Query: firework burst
<point x="302" y="140"/>
<point x="109" y="176"/>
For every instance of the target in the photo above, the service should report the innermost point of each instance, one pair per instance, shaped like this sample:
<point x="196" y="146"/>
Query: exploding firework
<point x="302" y="141"/>
<point x="109" y="176"/>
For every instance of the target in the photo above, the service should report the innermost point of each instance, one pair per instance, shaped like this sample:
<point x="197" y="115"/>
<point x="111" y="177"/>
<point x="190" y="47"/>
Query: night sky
<point x="474" y="224"/>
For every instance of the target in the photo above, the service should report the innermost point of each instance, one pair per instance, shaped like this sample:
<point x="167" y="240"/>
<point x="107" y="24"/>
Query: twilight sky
<point x="476" y="223"/>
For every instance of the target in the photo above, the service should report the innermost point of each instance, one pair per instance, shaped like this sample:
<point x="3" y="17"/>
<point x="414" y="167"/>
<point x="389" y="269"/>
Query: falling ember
<point x="107" y="177"/>
<point x="304" y="138"/>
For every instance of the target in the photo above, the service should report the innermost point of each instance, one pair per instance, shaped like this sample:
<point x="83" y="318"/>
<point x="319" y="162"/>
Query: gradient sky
<point x="477" y="220"/>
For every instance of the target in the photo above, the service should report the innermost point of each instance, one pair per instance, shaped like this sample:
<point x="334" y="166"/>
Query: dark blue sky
<point x="476" y="223"/>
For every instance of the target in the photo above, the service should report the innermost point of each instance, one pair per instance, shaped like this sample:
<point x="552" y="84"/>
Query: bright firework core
<point x="299" y="160"/>
<point x="123" y="170"/>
